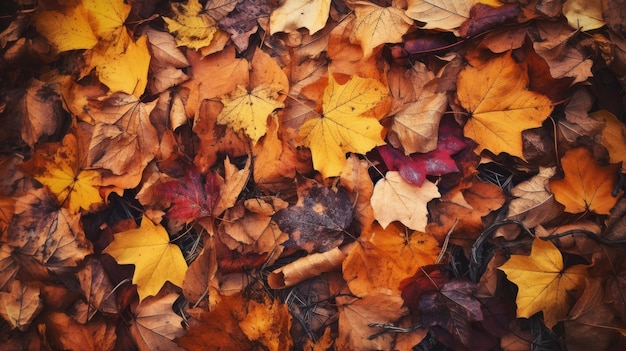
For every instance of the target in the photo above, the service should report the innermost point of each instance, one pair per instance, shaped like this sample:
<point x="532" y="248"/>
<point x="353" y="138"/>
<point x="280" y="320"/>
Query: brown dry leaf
<point x="155" y="325"/>
<point x="370" y="18"/>
<point x="165" y="63"/>
<point x="199" y="275"/>
<point x="8" y="267"/>
<point x="577" y="122"/>
<point x="213" y="76"/>
<point x="65" y="333"/>
<point x="39" y="112"/>
<point x="124" y="140"/>
<point x="585" y="186"/>
<point x="417" y="123"/>
<point x="273" y="162"/>
<point x="248" y="227"/>
<point x="242" y="21"/>
<point x="355" y="178"/>
<point x="20" y="305"/>
<point x="383" y="258"/>
<point x="235" y="180"/>
<point x="356" y="314"/>
<point x="395" y="199"/>
<point x="613" y="135"/>
<point x="308" y="267"/>
<point x="50" y="235"/>
<point x="97" y="288"/>
<point x="533" y="203"/>
<point x="467" y="204"/>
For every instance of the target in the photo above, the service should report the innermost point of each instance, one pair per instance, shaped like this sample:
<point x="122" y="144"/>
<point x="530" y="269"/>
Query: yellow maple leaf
<point x="395" y="199"/>
<point x="343" y="126"/>
<point x="248" y="111"/>
<point x="375" y="25"/>
<point x="67" y="29"/>
<point x="496" y="95"/>
<point x="156" y="260"/>
<point x="585" y="186"/>
<point x="73" y="187"/>
<point x="191" y="26"/>
<point x="125" y="71"/>
<point x="294" y="14"/>
<point x="544" y="284"/>
<point x="107" y="17"/>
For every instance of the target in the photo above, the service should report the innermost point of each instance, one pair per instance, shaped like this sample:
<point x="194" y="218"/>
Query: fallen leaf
<point x="343" y="127"/>
<point x="318" y="221"/>
<point x="308" y="267"/>
<point x="61" y="172"/>
<point x="294" y="14"/>
<point x="124" y="139"/>
<point x="242" y="21"/>
<point x="20" y="305"/>
<point x="63" y="332"/>
<point x="544" y="284"/>
<point x="268" y="322"/>
<point x="583" y="15"/>
<point x="415" y="167"/>
<point x="613" y="135"/>
<point x="40" y="112"/>
<point x="156" y="259"/>
<point x="191" y="26"/>
<point x="68" y="28"/>
<point x="249" y="111"/>
<point x="166" y="62"/>
<point x="501" y="107"/>
<point x="585" y="185"/>
<point x="107" y="17"/>
<point x="356" y="315"/>
<point x="156" y="325"/>
<point x="96" y="287"/>
<point x="440" y="14"/>
<point x="383" y="258"/>
<point x="394" y="199"/>
<point x="416" y="124"/>
<point x="191" y="197"/>
<point x="48" y="234"/>
<point x="533" y="203"/>
<point x="8" y="267"/>
<point x="370" y="17"/>
<point x="217" y="329"/>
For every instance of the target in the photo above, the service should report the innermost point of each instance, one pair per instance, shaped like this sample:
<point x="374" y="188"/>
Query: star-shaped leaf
<point x="375" y="25"/>
<point x="501" y="107"/>
<point x="586" y="186"/>
<point x="343" y="127"/>
<point x="249" y="110"/>
<point x="191" y="26"/>
<point x="544" y="284"/>
<point x="156" y="260"/>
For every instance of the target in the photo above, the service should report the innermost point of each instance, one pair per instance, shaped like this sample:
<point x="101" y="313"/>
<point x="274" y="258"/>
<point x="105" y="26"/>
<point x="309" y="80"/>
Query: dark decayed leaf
<point x="317" y="221"/>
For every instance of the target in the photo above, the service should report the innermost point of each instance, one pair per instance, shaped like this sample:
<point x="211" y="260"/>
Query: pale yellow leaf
<point x="294" y="14"/>
<point x="440" y="14"/>
<point x="395" y="199"/>
<point x="375" y="25"/>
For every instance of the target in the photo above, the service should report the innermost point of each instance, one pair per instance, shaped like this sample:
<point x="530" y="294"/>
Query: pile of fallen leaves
<point x="312" y="175"/>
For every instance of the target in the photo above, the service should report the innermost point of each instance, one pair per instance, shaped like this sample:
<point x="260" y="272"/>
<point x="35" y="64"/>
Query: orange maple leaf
<point x="586" y="186"/>
<point x="496" y="95"/>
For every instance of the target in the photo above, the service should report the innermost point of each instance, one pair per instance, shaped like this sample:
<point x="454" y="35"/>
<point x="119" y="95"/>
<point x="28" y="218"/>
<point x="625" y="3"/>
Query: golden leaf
<point x="249" y="111"/>
<point x="343" y="127"/>
<point x="544" y="284"/>
<point x="191" y="26"/>
<point x="156" y="260"/>
<point x="496" y="95"/>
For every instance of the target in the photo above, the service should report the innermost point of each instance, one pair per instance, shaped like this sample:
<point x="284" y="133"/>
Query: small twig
<point x="390" y="328"/>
